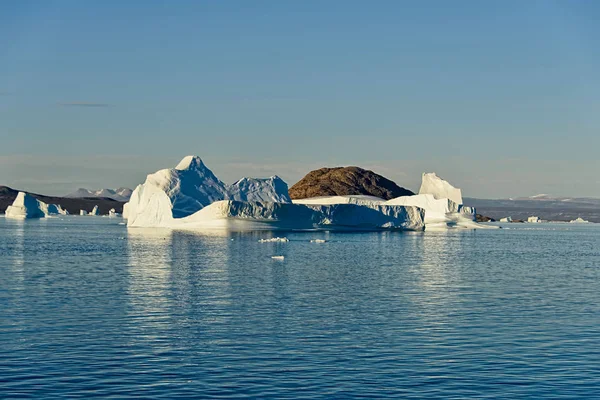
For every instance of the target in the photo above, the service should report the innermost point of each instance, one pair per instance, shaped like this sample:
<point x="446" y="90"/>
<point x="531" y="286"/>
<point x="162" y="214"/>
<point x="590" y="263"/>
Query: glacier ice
<point x="95" y="211"/>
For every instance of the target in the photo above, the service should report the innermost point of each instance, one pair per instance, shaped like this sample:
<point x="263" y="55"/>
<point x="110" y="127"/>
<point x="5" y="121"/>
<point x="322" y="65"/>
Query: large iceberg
<point x="27" y="206"/>
<point x="191" y="197"/>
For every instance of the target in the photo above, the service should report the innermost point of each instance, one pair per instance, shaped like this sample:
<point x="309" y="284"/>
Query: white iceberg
<point x="579" y="220"/>
<point x="83" y="212"/>
<point x="506" y="219"/>
<point x="274" y="240"/>
<point x="112" y="213"/>
<point x="191" y="186"/>
<point x="26" y="206"/>
<point x="191" y="197"/>
<point x="95" y="211"/>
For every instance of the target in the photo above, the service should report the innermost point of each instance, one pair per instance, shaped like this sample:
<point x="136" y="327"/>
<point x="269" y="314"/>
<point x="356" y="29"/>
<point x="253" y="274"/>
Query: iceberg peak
<point x="439" y="188"/>
<point x="190" y="163"/>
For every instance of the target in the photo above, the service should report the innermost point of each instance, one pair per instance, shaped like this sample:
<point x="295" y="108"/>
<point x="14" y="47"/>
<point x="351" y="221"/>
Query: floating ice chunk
<point x="318" y="240"/>
<point x="83" y="212"/>
<point x="274" y="240"/>
<point x="95" y="211"/>
<point x="579" y="220"/>
<point x="281" y="258"/>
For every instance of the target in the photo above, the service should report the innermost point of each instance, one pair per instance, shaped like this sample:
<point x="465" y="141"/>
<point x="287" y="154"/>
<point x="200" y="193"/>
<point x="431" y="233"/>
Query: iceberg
<point x="83" y="212"/>
<point x="191" y="186"/>
<point x="191" y="197"/>
<point x="94" y="211"/>
<point x="26" y="206"/>
<point x="579" y="220"/>
<point x="112" y="213"/>
<point x="274" y="240"/>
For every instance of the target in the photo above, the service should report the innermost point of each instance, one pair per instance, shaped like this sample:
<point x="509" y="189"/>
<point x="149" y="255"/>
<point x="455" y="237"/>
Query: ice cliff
<point x="190" y="196"/>
<point x="27" y="206"/>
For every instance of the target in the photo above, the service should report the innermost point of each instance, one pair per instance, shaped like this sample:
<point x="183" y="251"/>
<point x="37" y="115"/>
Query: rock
<point x="344" y="181"/>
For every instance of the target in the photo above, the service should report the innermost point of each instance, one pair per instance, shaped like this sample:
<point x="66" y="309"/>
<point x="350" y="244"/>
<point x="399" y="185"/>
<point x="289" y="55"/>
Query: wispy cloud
<point x="84" y="104"/>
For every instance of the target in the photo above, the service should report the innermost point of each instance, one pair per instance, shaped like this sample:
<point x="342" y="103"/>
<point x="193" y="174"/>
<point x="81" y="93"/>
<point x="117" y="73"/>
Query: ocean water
<point x="89" y="309"/>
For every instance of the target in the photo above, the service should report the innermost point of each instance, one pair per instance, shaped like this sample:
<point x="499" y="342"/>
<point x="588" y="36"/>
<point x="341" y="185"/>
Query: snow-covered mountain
<point x="120" y="194"/>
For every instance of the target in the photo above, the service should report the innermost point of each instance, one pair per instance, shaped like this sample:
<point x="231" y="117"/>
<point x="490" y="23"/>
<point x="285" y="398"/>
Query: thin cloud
<point x="84" y="104"/>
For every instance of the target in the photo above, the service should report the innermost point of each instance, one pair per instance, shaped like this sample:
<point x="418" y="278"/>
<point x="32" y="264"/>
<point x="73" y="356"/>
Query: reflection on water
<point x="150" y="256"/>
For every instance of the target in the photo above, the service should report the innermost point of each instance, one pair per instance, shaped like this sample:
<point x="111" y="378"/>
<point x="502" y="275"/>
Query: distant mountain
<point x="71" y="204"/>
<point x="120" y="194"/>
<point x="543" y="206"/>
<point x="344" y="181"/>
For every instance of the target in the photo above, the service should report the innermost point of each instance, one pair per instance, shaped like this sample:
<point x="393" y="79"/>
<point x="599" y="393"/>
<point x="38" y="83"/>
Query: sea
<point x="92" y="309"/>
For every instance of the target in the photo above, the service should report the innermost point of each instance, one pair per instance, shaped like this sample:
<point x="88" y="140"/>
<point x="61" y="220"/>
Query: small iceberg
<point x="318" y="241"/>
<point x="280" y="258"/>
<point x="579" y="220"/>
<point x="274" y="240"/>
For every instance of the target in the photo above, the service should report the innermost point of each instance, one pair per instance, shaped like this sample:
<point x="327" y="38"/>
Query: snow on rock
<point x="26" y="206"/>
<point x="120" y="194"/>
<point x="439" y="188"/>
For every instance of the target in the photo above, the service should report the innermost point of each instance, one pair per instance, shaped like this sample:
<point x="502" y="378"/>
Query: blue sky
<point x="500" y="98"/>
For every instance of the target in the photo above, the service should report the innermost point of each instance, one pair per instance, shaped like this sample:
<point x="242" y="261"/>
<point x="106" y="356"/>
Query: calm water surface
<point x="89" y="308"/>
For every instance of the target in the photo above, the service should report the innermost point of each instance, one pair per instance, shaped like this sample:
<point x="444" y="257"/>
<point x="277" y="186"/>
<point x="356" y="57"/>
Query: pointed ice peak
<point x="439" y="188"/>
<point x="190" y="162"/>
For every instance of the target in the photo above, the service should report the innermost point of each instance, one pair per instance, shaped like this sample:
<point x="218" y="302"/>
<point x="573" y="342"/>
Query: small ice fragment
<point x="278" y="257"/>
<point x="275" y="239"/>
<point x="318" y="240"/>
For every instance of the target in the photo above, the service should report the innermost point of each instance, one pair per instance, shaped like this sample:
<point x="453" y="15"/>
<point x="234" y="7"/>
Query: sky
<point x="500" y="98"/>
